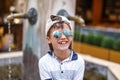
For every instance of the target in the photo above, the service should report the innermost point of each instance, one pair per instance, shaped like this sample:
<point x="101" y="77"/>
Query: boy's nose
<point x="63" y="36"/>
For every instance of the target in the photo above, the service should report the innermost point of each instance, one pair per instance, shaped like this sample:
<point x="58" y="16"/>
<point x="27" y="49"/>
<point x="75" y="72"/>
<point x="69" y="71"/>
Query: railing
<point x="16" y="57"/>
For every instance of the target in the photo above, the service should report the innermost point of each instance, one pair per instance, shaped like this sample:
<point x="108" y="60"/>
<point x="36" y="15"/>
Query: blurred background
<point x="104" y="16"/>
<point x="7" y="7"/>
<point x="99" y="38"/>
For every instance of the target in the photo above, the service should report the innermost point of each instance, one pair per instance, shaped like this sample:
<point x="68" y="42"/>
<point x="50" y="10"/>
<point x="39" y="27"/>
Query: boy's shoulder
<point x="44" y="58"/>
<point x="80" y="58"/>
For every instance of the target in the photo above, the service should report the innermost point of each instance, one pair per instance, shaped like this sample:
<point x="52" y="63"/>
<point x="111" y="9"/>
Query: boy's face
<point x="60" y="37"/>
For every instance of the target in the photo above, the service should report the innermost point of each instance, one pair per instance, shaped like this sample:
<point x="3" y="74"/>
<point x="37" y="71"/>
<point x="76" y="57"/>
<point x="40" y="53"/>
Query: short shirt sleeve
<point x="44" y="73"/>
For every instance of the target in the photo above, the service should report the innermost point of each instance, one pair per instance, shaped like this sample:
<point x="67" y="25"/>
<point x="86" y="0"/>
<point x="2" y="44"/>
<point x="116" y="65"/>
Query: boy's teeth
<point x="62" y="42"/>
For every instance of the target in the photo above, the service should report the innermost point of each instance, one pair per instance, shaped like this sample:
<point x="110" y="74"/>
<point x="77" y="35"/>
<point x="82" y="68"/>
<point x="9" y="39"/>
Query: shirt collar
<point x="74" y="55"/>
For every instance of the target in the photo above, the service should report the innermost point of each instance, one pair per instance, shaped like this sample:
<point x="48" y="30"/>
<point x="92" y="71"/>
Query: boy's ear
<point x="48" y="39"/>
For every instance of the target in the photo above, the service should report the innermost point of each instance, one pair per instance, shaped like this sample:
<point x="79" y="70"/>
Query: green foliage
<point x="98" y="39"/>
<point x="107" y="42"/>
<point x="116" y="45"/>
<point x="89" y="38"/>
<point x="76" y="35"/>
<point x="82" y="38"/>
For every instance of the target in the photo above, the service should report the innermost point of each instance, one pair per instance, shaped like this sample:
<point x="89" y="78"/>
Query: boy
<point x="61" y="62"/>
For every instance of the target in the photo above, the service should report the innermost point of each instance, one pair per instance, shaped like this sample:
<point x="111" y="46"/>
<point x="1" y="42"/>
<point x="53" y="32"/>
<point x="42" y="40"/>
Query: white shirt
<point x="51" y="68"/>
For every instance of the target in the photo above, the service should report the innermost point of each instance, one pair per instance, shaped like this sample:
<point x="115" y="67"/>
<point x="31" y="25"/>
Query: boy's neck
<point x="61" y="55"/>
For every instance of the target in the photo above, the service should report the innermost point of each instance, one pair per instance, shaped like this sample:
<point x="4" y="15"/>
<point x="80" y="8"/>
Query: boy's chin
<point x="63" y="48"/>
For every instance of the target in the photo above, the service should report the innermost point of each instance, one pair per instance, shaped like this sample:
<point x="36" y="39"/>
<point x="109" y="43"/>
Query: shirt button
<point x="61" y="71"/>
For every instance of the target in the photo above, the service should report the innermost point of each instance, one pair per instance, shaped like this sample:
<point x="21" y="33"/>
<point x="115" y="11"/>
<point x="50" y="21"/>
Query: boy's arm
<point x="80" y="72"/>
<point x="44" y="73"/>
